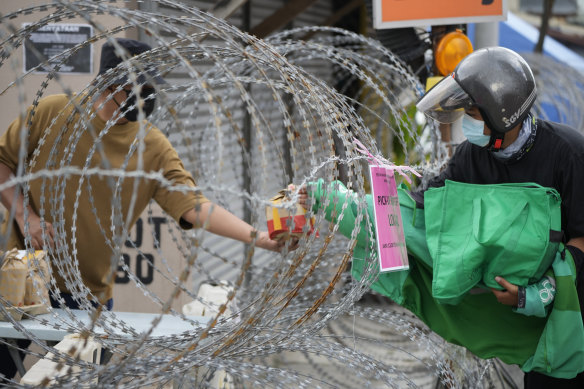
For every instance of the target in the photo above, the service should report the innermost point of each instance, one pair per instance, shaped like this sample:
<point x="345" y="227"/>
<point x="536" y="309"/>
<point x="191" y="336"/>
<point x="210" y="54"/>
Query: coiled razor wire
<point x="248" y="117"/>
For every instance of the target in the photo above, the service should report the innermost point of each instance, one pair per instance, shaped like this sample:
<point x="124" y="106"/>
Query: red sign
<point x="407" y="13"/>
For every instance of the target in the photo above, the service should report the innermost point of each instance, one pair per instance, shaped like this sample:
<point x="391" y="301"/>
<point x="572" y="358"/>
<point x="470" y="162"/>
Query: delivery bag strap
<point x="557" y="236"/>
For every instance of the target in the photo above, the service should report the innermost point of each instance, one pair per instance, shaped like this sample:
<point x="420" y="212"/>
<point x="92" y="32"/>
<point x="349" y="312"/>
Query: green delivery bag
<point x="553" y="346"/>
<point x="478" y="232"/>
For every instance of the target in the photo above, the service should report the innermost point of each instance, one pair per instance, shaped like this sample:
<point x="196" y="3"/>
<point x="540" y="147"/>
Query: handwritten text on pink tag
<point x="391" y="245"/>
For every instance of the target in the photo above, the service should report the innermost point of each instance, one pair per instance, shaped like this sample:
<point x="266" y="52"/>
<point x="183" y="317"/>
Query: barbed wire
<point x="247" y="117"/>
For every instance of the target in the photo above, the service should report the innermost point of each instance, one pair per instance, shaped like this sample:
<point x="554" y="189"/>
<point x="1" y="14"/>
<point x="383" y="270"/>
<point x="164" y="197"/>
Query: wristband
<point x="521" y="297"/>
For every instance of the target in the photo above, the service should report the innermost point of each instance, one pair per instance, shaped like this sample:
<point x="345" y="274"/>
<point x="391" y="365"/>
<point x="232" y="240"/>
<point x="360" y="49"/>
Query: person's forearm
<point x="10" y="197"/>
<point x="577" y="242"/>
<point x="538" y="297"/>
<point x="220" y="221"/>
<point x="576" y="248"/>
<point x="39" y="233"/>
<point x="341" y="207"/>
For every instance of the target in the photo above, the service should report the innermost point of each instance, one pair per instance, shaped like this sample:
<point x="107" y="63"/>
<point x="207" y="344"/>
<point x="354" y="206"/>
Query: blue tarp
<point x="520" y="36"/>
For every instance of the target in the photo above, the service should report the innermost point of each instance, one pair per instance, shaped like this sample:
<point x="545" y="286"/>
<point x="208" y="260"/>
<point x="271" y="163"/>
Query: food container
<point x="282" y="220"/>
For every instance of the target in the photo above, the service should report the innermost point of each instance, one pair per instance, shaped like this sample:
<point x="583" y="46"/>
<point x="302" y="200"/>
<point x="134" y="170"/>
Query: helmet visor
<point x="445" y="102"/>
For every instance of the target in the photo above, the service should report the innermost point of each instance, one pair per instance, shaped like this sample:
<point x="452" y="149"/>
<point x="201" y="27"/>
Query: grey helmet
<point x="496" y="80"/>
<point x="500" y="83"/>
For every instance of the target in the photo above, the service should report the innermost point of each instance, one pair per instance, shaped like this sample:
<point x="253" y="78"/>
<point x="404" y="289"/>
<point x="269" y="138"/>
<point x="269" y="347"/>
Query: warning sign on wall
<point x="47" y="46"/>
<point x="409" y="13"/>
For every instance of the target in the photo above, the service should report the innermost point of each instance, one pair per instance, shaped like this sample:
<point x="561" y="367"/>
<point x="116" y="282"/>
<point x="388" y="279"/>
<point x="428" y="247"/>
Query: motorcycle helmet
<point x="496" y="80"/>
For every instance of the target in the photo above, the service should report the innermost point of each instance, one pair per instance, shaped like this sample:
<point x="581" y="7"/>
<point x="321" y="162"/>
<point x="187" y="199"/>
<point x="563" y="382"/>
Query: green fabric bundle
<point x="552" y="345"/>
<point x="478" y="232"/>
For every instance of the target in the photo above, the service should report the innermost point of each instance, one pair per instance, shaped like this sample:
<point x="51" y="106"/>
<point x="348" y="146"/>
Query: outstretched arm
<point x="12" y="198"/>
<point x="220" y="221"/>
<point x="342" y="207"/>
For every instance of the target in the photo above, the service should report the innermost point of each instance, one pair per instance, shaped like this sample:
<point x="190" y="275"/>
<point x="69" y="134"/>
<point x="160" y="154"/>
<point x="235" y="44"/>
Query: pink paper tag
<point x="391" y="244"/>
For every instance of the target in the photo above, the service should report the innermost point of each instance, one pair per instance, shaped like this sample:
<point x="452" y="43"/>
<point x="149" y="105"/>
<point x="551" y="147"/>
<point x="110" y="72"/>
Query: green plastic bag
<point x="477" y="232"/>
<point x="553" y="346"/>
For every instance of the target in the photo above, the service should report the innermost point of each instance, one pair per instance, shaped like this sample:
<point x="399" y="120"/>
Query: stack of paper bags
<point x="23" y="283"/>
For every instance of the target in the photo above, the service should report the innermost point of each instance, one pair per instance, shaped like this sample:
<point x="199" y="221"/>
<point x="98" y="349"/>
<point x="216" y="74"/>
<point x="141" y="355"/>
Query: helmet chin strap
<point x="497" y="137"/>
<point x="496" y="141"/>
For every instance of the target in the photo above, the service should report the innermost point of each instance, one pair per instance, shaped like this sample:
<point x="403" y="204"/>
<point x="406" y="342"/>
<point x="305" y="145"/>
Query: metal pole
<point x="486" y="35"/>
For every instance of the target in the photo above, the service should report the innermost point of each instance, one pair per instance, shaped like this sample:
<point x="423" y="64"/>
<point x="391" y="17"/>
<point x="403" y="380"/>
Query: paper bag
<point x="37" y="278"/>
<point x="12" y="278"/>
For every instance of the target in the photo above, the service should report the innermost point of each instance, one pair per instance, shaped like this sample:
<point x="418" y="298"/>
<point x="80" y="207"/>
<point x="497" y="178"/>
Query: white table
<point x="140" y="322"/>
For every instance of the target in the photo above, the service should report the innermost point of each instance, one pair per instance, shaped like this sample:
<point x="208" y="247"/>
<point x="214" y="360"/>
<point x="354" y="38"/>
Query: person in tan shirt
<point x="89" y="209"/>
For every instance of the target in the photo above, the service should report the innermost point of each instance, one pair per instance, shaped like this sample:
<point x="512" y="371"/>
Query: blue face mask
<point x="473" y="131"/>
